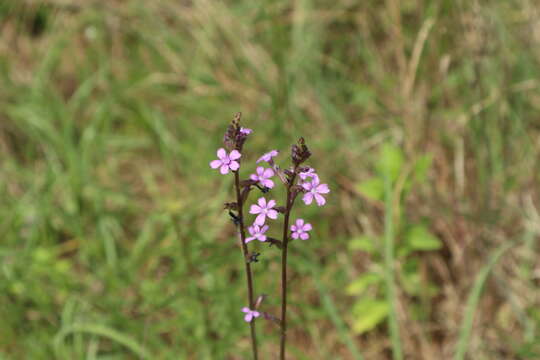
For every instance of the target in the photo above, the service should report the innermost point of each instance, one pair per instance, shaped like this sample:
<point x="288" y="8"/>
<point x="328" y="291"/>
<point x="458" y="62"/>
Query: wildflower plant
<point x="298" y="180"/>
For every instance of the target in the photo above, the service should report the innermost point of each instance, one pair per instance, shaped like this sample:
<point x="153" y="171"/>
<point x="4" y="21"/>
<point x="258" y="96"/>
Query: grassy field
<point x="423" y="116"/>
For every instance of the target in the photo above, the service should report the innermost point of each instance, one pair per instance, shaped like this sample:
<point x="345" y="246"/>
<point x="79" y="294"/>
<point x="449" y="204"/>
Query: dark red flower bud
<point x="300" y="152"/>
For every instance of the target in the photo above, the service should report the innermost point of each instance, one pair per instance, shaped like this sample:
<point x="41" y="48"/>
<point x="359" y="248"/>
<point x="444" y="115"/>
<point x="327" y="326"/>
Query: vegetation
<point x="423" y="116"/>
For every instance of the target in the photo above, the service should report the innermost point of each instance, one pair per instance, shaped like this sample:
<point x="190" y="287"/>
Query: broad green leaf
<point x="368" y="313"/>
<point x="363" y="243"/>
<point x="371" y="188"/>
<point x="359" y="285"/>
<point x="419" y="238"/>
<point x="390" y="161"/>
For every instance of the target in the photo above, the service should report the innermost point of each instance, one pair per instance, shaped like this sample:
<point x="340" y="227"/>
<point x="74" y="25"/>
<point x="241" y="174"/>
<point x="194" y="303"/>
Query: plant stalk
<point x="389" y="262"/>
<point x="289" y="204"/>
<point x="249" y="276"/>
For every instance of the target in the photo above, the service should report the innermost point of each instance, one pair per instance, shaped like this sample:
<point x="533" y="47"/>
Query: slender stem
<point x="289" y="204"/>
<point x="389" y="269"/>
<point x="249" y="276"/>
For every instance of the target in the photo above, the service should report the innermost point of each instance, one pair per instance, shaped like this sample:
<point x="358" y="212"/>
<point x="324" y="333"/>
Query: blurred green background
<point x="422" y="115"/>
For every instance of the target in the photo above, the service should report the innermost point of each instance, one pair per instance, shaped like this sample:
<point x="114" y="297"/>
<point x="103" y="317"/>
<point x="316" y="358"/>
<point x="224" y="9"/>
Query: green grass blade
<point x="103" y="331"/>
<point x="473" y="299"/>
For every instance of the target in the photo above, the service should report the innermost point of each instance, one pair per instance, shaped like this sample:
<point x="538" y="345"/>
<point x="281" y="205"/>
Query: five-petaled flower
<point x="263" y="177"/>
<point x="250" y="314"/>
<point x="226" y="162"/>
<point x="314" y="190"/>
<point x="268" y="156"/>
<point x="264" y="209"/>
<point x="300" y="229"/>
<point x="257" y="232"/>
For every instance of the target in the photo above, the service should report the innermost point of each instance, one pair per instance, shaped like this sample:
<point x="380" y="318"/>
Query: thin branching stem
<point x="288" y="208"/>
<point x="249" y="275"/>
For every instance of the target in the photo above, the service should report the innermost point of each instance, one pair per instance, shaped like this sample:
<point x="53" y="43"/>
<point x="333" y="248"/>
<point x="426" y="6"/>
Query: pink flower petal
<point x="262" y="202"/>
<point x="259" y="220"/>
<point x="323" y="189"/>
<point x="320" y="200"/>
<point x="254" y="177"/>
<point x="224" y="169"/>
<point x="234" y="165"/>
<point x="268" y="173"/>
<point x="307" y="198"/>
<point x="268" y="183"/>
<point x="235" y="155"/>
<point x="248" y="317"/>
<point x="260" y="170"/>
<point x="255" y="313"/>
<point x="272" y="214"/>
<point x="214" y="164"/>
<point x="249" y="239"/>
<point x="264" y="228"/>
<point x="245" y="309"/>
<point x="307" y="227"/>
<point x="261" y="237"/>
<point x="294" y="235"/>
<point x="254" y="209"/>
<point x="222" y="154"/>
<point x="300" y="223"/>
<point x="304" y="236"/>
<point x="293" y="227"/>
<point x="271" y="204"/>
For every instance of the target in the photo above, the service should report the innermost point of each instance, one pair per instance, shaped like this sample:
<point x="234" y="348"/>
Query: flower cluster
<point x="297" y="180"/>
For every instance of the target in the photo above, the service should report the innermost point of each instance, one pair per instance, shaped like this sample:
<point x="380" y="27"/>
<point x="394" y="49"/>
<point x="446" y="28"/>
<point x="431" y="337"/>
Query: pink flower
<point x="300" y="229"/>
<point x="226" y="162"/>
<point x="245" y="131"/>
<point x="314" y="190"/>
<point x="309" y="173"/>
<point x="268" y="156"/>
<point x="257" y="232"/>
<point x="250" y="314"/>
<point x="263" y="209"/>
<point x="263" y="176"/>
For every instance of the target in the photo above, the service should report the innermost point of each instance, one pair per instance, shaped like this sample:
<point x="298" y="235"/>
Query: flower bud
<point x="300" y="152"/>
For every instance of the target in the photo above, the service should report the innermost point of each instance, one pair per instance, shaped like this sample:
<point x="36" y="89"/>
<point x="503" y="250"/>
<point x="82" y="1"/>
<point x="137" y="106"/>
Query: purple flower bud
<point x="245" y="131"/>
<point x="300" y="152"/>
